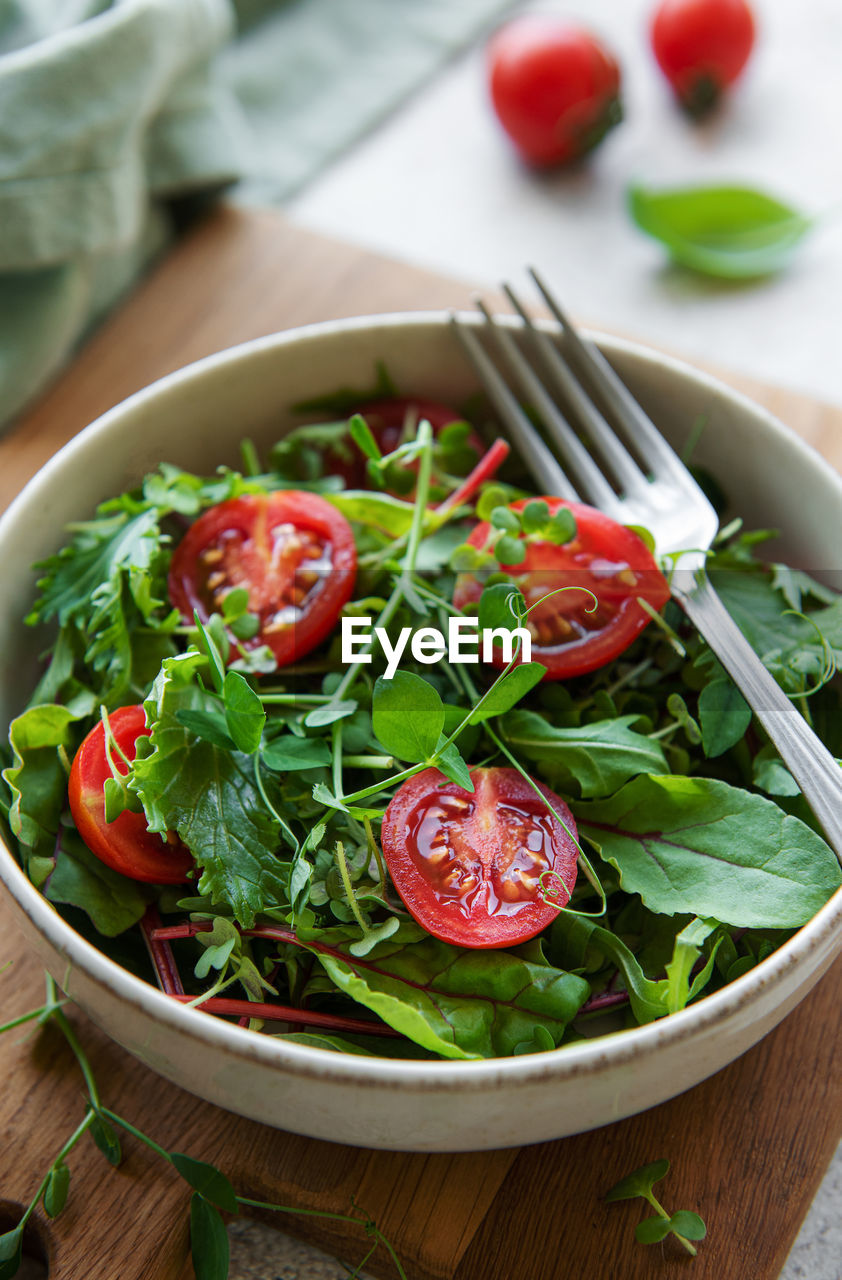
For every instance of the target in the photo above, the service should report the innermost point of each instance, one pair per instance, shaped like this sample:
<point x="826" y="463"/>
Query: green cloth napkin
<point x="111" y="109"/>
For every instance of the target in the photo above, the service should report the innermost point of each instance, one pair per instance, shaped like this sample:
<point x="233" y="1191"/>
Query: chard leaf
<point x="600" y="756"/>
<point x="724" y="716"/>
<point x="701" y="847"/>
<point x="459" y="1003"/>
<point x="37" y="779"/>
<point x="407" y="715"/>
<point x="208" y="796"/>
<point x="111" y="901"/>
<point x="731" y="232"/>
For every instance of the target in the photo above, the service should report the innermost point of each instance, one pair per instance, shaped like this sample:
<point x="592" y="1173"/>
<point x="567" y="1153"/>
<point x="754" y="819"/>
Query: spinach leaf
<point x="724" y="716"/>
<point x="731" y="232"/>
<point x="702" y="847"/>
<point x="461" y="1004"/>
<point x="208" y="796"/>
<point x="113" y="902"/>
<point x="600" y="756"/>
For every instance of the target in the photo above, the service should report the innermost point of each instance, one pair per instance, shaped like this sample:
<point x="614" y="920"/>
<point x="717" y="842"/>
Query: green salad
<point x="370" y="747"/>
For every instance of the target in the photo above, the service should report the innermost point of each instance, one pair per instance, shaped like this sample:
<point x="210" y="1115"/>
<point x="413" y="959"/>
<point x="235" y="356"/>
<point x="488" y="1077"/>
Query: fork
<point x="667" y="501"/>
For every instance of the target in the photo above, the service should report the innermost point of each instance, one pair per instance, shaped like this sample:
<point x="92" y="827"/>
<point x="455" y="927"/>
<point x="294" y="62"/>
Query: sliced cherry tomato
<point x="388" y="420"/>
<point x="292" y="551"/>
<point x="555" y="88"/>
<point x="125" y="845"/>
<point x="701" y="47"/>
<point x="481" y="869"/>
<point x="569" y="635"/>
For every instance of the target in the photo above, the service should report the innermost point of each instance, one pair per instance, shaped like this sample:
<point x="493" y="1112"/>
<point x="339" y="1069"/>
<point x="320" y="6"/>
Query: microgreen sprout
<point x="685" y="1225"/>
<point x="212" y="1191"/>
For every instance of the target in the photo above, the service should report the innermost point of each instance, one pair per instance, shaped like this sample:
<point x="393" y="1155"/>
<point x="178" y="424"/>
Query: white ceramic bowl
<point x="195" y="418"/>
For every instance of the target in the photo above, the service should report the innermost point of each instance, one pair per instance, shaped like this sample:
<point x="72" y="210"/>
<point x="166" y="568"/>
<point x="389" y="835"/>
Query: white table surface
<point x="439" y="186"/>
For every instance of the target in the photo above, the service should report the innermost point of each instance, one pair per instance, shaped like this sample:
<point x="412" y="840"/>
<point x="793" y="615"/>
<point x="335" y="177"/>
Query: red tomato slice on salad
<point x="125" y="845"/>
<point x="571" y="635"/>
<point x="291" y="551"/>
<point x="488" y="869"/>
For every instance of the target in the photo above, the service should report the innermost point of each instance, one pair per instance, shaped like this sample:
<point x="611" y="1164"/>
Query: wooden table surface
<point x="748" y="1147"/>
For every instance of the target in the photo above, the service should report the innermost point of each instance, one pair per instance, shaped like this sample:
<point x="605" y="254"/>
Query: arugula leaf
<point x="461" y="1004"/>
<point x="208" y="796"/>
<point x="111" y="901"/>
<point x="730" y="232"/>
<point x="600" y="756"/>
<point x="110" y="576"/>
<point x="698" y="846"/>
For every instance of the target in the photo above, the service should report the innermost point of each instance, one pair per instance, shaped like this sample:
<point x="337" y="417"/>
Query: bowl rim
<point x="447" y="1075"/>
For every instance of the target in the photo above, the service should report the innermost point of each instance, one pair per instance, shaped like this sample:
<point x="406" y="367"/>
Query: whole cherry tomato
<point x="554" y="87"/>
<point x="571" y="635"/>
<point x="291" y="550"/>
<point x="125" y="845"/>
<point x="701" y="47"/>
<point x="482" y="869"/>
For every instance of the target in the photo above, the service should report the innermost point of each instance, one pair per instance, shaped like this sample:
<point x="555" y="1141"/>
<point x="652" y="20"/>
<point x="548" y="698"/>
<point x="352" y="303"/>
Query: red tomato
<point x="554" y="87"/>
<point x="388" y="419"/>
<point x="469" y="867"/>
<point x="606" y="558"/>
<point x="125" y="845"/>
<point x="292" y="551"/>
<point x="701" y="47"/>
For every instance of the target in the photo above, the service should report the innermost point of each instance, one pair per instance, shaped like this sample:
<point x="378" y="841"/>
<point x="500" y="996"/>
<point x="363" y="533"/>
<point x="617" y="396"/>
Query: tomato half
<point x="701" y="47"/>
<point x="125" y="845"/>
<point x="292" y="551"/>
<point x="481" y="869"/>
<point x="605" y="558"/>
<point x="554" y="87"/>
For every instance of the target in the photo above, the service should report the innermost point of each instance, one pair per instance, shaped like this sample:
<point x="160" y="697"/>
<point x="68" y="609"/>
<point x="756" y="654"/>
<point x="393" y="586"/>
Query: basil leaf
<point x="208" y="1241"/>
<point x="600" y="756"/>
<point x="459" y="1003"/>
<point x="724" y="716"/>
<point x="508" y="690"/>
<point x="206" y="1179"/>
<point x="407" y="716"/>
<point x="701" y="847"/>
<point x="729" y="232"/>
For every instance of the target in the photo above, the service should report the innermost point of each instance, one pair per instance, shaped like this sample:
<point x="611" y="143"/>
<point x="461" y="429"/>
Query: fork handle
<point x="808" y="760"/>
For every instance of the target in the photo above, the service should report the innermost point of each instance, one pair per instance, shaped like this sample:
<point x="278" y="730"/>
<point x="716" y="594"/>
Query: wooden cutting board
<point x="748" y="1147"/>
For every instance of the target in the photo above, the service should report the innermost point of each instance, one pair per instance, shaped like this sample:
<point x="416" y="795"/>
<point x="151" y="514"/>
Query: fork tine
<point x="595" y="487"/>
<point x="663" y="460"/>
<point x="631" y="479"/>
<point x="538" y="458"/>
